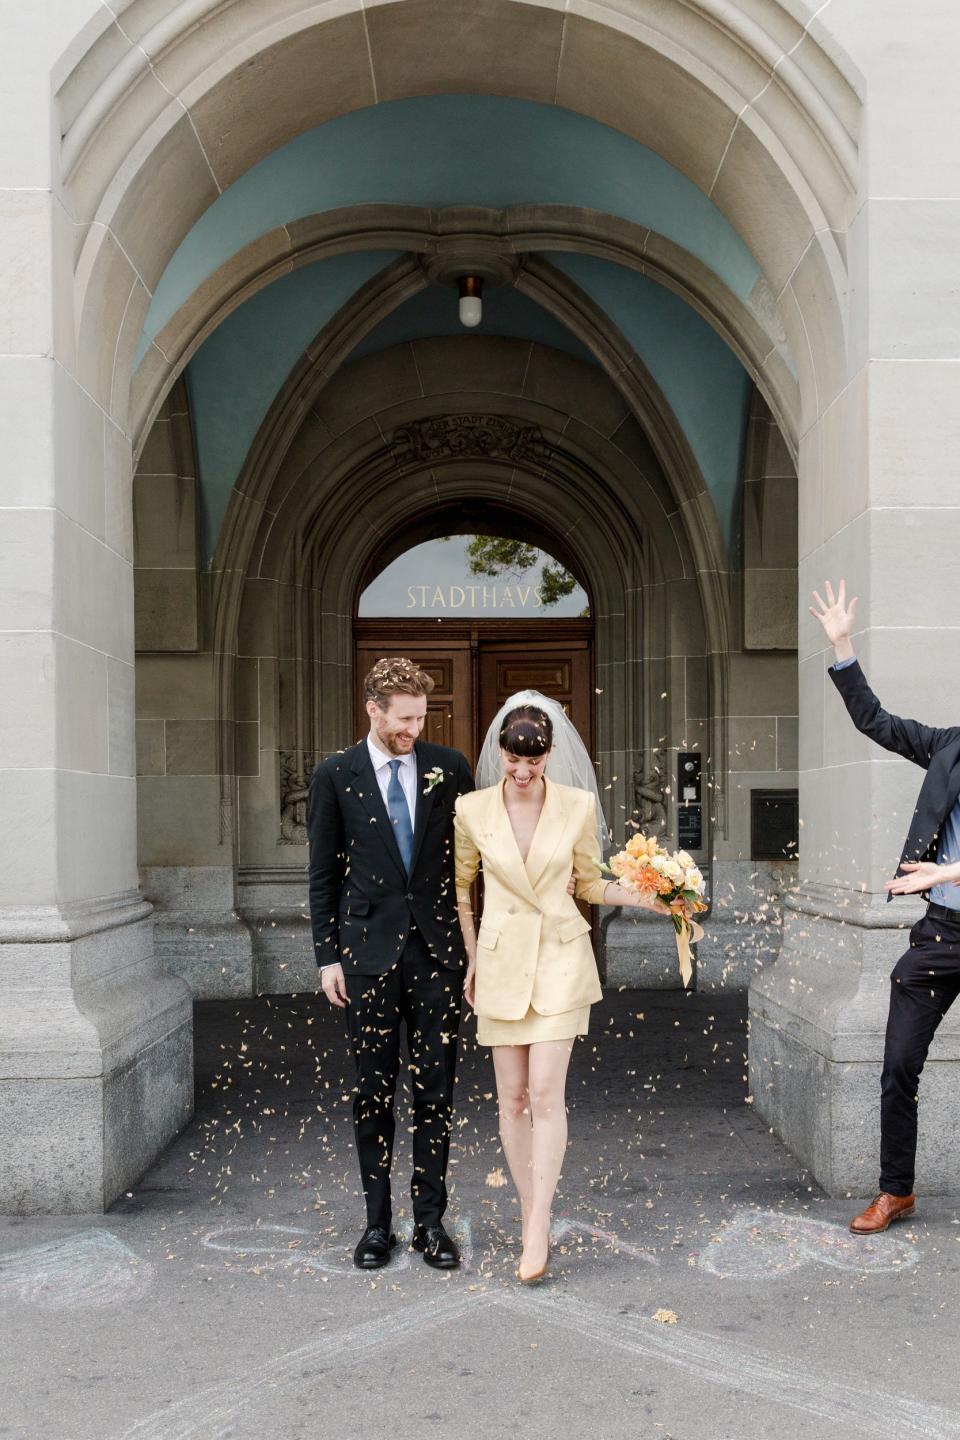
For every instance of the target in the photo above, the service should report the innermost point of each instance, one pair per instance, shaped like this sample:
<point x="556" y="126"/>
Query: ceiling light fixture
<point x="470" y="288"/>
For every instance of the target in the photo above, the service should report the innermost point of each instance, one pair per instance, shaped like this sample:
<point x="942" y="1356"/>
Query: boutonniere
<point x="433" y="778"/>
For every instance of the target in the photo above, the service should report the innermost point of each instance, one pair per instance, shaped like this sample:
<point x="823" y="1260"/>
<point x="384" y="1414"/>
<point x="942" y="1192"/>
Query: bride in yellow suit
<point x="532" y="975"/>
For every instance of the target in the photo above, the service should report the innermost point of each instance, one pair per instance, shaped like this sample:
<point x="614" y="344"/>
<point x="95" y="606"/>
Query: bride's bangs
<point x="527" y="733"/>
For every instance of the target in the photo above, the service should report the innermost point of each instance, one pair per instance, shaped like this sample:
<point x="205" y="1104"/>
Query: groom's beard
<point x="399" y="744"/>
<point x="396" y="744"/>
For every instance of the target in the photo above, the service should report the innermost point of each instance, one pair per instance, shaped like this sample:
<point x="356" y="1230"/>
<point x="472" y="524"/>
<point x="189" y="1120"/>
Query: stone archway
<point x="766" y="125"/>
<point x="157" y="115"/>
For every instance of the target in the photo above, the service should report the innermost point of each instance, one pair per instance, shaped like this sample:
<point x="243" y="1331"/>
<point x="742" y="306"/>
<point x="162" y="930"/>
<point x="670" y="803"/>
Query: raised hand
<point x="836" y="617"/>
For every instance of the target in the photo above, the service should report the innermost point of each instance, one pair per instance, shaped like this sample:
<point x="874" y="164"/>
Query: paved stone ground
<point x="217" y="1300"/>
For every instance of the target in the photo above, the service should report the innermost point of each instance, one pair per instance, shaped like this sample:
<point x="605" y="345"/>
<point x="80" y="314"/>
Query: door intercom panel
<point x="690" y="800"/>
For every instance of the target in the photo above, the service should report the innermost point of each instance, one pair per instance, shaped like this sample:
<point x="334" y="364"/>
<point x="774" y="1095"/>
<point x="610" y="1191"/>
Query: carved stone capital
<point x="470" y="253"/>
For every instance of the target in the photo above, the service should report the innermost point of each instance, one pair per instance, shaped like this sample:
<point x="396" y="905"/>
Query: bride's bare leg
<point x="516" y="1133"/>
<point x="547" y="1080"/>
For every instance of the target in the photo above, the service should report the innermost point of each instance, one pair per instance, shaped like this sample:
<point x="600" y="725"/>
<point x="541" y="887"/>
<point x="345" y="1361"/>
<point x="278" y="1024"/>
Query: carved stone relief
<point x="295" y="771"/>
<point x="649" y="795"/>
<point x="458" y="435"/>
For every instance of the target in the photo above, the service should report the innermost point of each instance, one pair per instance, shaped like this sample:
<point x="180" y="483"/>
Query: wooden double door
<point x="476" y="666"/>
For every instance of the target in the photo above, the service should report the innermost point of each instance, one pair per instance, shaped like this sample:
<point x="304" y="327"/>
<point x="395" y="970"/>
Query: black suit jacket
<point x="362" y="901"/>
<point x="937" y="751"/>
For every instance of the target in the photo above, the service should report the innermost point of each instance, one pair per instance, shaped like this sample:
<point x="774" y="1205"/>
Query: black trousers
<point x="923" y="985"/>
<point x="416" y="992"/>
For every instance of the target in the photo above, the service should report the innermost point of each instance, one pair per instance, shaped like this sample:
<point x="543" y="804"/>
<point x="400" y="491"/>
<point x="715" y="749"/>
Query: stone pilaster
<point x="95" y="1041"/>
<point x="878" y="473"/>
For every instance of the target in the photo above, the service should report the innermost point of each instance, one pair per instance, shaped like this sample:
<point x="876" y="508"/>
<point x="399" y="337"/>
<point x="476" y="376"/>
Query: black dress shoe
<point x="436" y="1246"/>
<point x="374" y="1248"/>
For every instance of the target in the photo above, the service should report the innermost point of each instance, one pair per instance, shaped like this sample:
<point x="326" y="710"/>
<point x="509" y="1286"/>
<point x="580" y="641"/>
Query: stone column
<point x="95" y="1041"/>
<point x="878" y="504"/>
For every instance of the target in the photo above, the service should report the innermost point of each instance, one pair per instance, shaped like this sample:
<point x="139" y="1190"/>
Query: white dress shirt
<point x="407" y="774"/>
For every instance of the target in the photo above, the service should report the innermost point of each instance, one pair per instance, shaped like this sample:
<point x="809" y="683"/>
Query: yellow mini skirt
<point x="533" y="1027"/>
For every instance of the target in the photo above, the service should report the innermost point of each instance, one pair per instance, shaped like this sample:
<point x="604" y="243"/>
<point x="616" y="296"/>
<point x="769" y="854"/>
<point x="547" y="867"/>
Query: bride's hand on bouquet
<point x="921" y="875"/>
<point x="658" y="906"/>
<point x="641" y="902"/>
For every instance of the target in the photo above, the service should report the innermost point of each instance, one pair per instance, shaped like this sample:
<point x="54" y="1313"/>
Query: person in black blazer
<point x="388" y="941"/>
<point x="926" y="980"/>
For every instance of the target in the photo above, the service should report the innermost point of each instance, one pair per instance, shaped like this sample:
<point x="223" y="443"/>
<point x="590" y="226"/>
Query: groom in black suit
<point x="388" y="942"/>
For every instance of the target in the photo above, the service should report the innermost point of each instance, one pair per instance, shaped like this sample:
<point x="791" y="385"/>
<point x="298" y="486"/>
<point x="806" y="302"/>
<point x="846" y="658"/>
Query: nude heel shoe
<point x="537" y="1275"/>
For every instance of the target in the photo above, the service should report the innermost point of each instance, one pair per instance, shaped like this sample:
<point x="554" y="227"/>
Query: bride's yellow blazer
<point x="533" y="946"/>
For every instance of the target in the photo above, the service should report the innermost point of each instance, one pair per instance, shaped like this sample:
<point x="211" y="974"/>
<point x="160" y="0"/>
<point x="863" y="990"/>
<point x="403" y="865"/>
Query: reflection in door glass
<point x="466" y="576"/>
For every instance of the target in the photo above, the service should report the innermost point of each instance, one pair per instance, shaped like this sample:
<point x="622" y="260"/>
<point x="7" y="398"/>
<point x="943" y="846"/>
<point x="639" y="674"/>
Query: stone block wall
<point x="762" y="726"/>
<point x="185" y="829"/>
<point x="166" y="588"/>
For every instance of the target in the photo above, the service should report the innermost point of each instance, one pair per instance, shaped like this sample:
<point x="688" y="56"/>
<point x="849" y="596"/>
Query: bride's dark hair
<point x="527" y="731"/>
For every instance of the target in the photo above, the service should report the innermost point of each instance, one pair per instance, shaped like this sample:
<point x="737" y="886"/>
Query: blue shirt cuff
<point x="842" y="664"/>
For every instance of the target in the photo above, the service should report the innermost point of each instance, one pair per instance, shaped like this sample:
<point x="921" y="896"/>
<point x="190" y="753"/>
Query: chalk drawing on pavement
<point x="778" y="1379"/>
<point x="290" y="1247"/>
<point x="566" y="1229"/>
<point x="213" y="1413"/>
<point x="82" y="1271"/>
<point x="763" y="1243"/>
<point x="716" y="1361"/>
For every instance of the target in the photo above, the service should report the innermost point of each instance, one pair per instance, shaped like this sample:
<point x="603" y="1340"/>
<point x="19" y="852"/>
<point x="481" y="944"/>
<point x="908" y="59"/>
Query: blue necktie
<point x="399" y="812"/>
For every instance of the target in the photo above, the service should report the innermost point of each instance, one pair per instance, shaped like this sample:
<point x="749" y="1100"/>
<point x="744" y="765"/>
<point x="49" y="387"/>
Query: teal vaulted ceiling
<point x="701" y="378"/>
<point x="238" y="370"/>
<point x="442" y="151"/>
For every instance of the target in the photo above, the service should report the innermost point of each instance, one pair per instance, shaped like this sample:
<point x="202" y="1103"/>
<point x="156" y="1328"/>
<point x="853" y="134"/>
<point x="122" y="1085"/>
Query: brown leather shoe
<point x="881" y="1212"/>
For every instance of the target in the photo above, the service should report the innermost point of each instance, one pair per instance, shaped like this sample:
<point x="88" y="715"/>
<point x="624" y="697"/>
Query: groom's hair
<point x="395" y="676"/>
<point x="526" y="731"/>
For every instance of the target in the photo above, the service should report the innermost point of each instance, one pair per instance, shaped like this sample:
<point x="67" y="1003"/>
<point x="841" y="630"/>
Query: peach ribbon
<point x="687" y="930"/>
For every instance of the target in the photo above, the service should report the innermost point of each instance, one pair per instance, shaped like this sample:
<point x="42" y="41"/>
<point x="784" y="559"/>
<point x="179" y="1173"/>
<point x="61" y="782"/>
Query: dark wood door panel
<point x="562" y="674"/>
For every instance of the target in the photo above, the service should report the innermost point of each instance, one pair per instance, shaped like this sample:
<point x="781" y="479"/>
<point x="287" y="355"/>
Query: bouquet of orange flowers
<point x="649" y="870"/>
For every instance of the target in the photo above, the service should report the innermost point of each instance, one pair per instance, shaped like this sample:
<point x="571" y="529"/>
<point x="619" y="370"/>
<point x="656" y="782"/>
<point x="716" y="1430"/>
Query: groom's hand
<point x="333" y="985"/>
